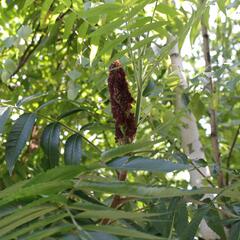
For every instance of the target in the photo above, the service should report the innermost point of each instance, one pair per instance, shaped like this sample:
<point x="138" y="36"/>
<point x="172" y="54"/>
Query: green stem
<point x="138" y="106"/>
<point x="140" y="89"/>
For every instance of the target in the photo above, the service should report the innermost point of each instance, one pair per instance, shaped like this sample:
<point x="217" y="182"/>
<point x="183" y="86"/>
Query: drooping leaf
<point x="146" y="164"/>
<point x="50" y="143"/>
<point x="125" y="149"/>
<point x="139" y="190"/>
<point x="194" y="32"/>
<point x="69" y="21"/>
<point x="18" y="137"/>
<point x="73" y="150"/>
<point x="215" y="223"/>
<point x="70" y="112"/>
<point x="190" y="231"/>
<point x="181" y="217"/>
<point x="127" y="232"/>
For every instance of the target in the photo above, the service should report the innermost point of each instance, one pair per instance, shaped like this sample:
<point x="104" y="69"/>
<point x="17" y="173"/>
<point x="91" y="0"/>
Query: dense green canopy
<point x="55" y="112"/>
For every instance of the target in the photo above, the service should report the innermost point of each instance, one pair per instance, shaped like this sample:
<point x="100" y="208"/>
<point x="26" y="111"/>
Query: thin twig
<point x="28" y="51"/>
<point x="78" y="227"/>
<point x="32" y="47"/>
<point x="230" y="153"/>
<point x="201" y="173"/>
<point x="212" y="111"/>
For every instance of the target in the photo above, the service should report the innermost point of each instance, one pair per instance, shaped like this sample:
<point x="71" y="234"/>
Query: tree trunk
<point x="190" y="137"/>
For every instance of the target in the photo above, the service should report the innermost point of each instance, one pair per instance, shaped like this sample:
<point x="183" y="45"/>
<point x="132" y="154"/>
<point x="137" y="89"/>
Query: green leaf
<point x="67" y="3"/>
<point x="70" y="112"/>
<point x="106" y="8"/>
<point x="10" y="66"/>
<point x="4" y="116"/>
<point x="40" y="223"/>
<point x="221" y="5"/>
<point x="82" y="30"/>
<point x="146" y="164"/>
<point x="74" y="74"/>
<point x="196" y="17"/>
<point x="17" y="138"/>
<point x="53" y="33"/>
<point x="44" y="11"/>
<point x="24" y="32"/>
<point x="47" y="232"/>
<point x="166" y="9"/>
<point x="107" y="28"/>
<point x="5" y="76"/>
<point x="58" y="173"/>
<point x="94" y="45"/>
<point x="27" y="3"/>
<point x="197" y="106"/>
<point x="50" y="143"/>
<point x="69" y="21"/>
<point x="22" y="216"/>
<point x="30" y="98"/>
<point x="127" y="232"/>
<point x="215" y="223"/>
<point x="190" y="231"/>
<point x="46" y="188"/>
<point x="194" y="32"/>
<point x="73" y="150"/>
<point x="92" y="211"/>
<point x="111" y="44"/>
<point x="149" y="88"/>
<point x="235" y="231"/>
<point x="125" y="149"/>
<point x="72" y="89"/>
<point x="156" y="26"/>
<point x="102" y="236"/>
<point x="181" y="217"/>
<point x="139" y="190"/>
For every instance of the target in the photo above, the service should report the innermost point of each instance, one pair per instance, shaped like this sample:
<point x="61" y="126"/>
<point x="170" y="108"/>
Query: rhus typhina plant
<point x="125" y="125"/>
<point x="83" y="159"/>
<point x="121" y="104"/>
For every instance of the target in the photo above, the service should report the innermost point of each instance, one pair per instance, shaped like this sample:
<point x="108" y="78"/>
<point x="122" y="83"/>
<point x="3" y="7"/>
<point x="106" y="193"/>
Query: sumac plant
<point x="119" y="120"/>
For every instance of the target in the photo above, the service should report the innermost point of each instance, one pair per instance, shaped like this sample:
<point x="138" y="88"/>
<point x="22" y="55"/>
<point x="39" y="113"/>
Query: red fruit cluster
<point x="121" y="102"/>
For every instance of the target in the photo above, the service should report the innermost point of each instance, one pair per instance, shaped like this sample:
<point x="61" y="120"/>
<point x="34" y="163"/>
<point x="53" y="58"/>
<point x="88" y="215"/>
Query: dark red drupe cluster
<point x="121" y="102"/>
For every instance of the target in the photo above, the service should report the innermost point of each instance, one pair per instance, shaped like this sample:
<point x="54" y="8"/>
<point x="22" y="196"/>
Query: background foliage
<point x="55" y="113"/>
